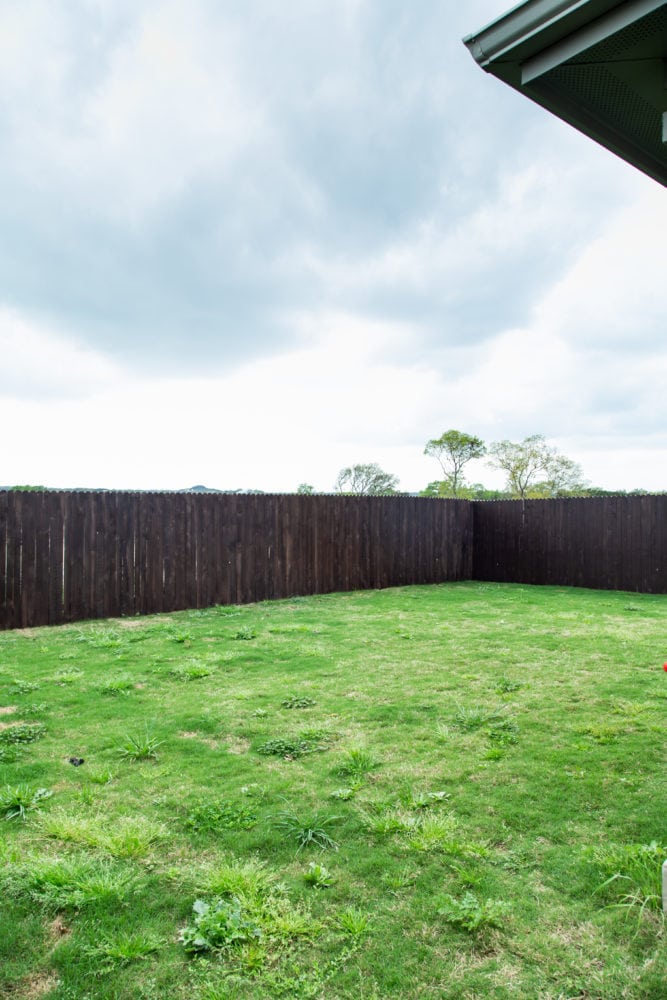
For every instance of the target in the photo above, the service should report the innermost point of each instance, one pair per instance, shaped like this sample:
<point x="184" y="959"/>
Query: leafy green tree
<point x="534" y="469"/>
<point x="365" y="480"/>
<point x="470" y="491"/>
<point x="453" y="450"/>
<point x="306" y="489"/>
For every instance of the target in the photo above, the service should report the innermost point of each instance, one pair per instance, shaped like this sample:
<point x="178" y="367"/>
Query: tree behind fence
<point x="75" y="555"/>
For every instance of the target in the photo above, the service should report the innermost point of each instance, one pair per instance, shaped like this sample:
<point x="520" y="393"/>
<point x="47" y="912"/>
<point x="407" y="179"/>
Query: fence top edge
<point x="230" y="494"/>
<point x="13" y="491"/>
<point x="569" y="499"/>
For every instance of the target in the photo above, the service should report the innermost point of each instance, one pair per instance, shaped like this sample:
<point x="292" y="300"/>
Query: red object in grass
<point x="664" y="666"/>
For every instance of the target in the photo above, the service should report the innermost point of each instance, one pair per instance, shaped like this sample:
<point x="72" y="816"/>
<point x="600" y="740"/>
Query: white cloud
<point x="614" y="297"/>
<point x="335" y="233"/>
<point x="126" y="115"/>
<point x="38" y="362"/>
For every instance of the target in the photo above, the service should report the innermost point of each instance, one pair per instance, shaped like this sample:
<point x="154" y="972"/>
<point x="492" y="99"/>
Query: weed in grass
<point x="323" y="737"/>
<point x="502" y="735"/>
<point x="254" y="791"/>
<point x="285" y="922"/>
<point x="220" y="814"/>
<point x="248" y="879"/>
<point x="99" y="637"/>
<point x="138" y="748"/>
<point x="245" y="634"/>
<point x="473" y="915"/>
<point x="318" y="876"/>
<point x="434" y="832"/>
<point x="290" y="747"/>
<point x="474" y="718"/>
<point x="468" y="877"/>
<point x="123" y="949"/>
<point x="354" y="922"/>
<point x="19" y="686"/>
<point x="101" y="776"/>
<point x="22" y="732"/>
<point x="355" y="762"/>
<point x="507" y="686"/>
<point x="180" y="636"/>
<point x="307" y="831"/>
<point x="72" y="883"/>
<point x="311" y="982"/>
<point x="631" y="709"/>
<point x="9" y="754"/>
<point x="35" y="708"/>
<point x="637" y="904"/>
<point x="193" y="671"/>
<point x="422" y="800"/>
<point x="16" y="801"/>
<point x="602" y="734"/>
<point x="439" y="834"/>
<point x="115" y="686"/>
<point x="290" y="629"/>
<point x="345" y="794"/>
<point x="633" y="875"/>
<point x="505" y="732"/>
<point x="85" y="796"/>
<point x="65" y="678"/>
<point x="443" y="732"/>
<point x="382" y="821"/>
<point x="396" y="881"/>
<point x="294" y="701"/>
<point x="129" y="837"/>
<point x="219" y="925"/>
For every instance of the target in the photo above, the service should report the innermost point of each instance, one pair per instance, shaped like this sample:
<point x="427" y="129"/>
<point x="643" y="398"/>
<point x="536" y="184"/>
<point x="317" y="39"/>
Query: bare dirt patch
<point x="7" y="709"/>
<point x="189" y="735"/>
<point x="37" y="986"/>
<point x="236" y="744"/>
<point x="139" y="622"/>
<point x="57" y="930"/>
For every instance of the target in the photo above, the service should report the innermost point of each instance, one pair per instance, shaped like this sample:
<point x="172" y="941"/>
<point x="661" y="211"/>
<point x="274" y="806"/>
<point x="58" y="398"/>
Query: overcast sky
<point x="244" y="244"/>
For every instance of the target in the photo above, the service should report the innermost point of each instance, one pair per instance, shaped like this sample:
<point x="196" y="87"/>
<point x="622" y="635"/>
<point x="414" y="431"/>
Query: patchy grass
<point x="489" y="795"/>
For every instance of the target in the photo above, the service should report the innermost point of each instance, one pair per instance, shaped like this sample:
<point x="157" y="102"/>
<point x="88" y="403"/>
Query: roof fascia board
<point x="522" y="23"/>
<point x="571" y="46"/>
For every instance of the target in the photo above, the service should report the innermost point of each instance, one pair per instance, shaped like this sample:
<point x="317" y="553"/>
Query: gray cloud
<point x="181" y="179"/>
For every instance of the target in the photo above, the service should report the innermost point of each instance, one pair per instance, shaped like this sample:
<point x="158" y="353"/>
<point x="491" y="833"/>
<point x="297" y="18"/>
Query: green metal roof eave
<point x="530" y="26"/>
<point x="527" y="46"/>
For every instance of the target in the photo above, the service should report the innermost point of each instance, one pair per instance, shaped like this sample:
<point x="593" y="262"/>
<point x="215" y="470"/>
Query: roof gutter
<point x="521" y="24"/>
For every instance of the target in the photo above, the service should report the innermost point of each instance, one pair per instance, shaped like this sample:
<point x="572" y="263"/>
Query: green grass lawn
<point x="448" y="792"/>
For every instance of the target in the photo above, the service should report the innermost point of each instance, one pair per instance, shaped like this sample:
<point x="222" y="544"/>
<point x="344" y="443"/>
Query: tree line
<point x="532" y="468"/>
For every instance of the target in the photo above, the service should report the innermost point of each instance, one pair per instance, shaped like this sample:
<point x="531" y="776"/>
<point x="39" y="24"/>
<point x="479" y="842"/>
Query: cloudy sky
<point x="244" y="244"/>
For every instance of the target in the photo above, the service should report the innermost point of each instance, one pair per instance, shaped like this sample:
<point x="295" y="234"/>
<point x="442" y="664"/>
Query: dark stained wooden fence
<point x="607" y="543"/>
<point x="71" y="556"/>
